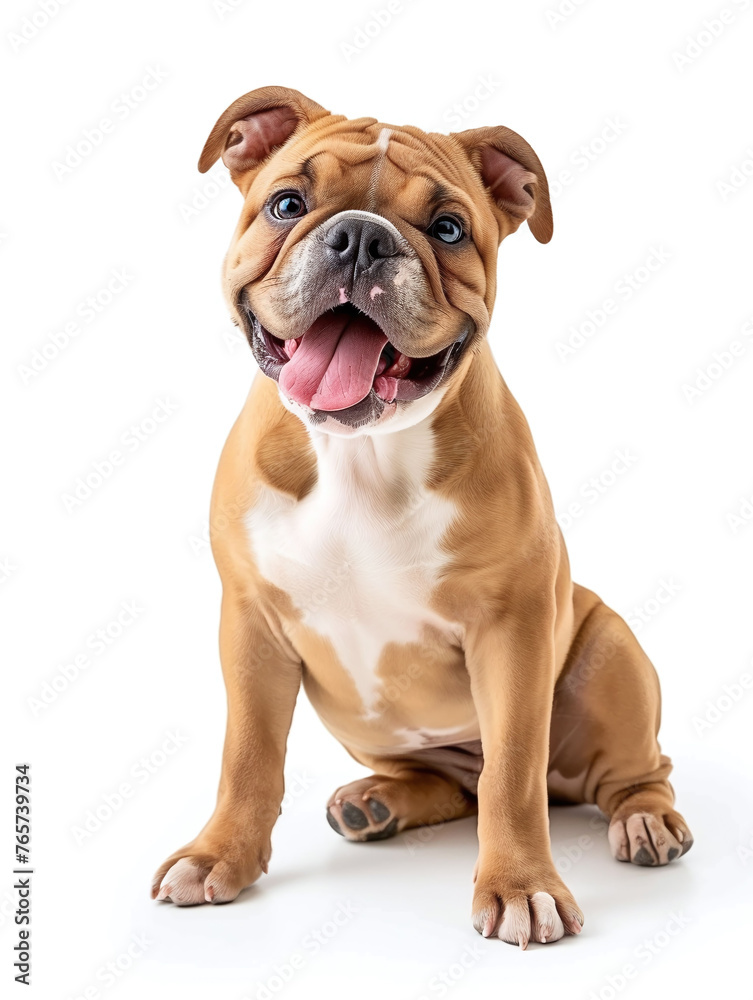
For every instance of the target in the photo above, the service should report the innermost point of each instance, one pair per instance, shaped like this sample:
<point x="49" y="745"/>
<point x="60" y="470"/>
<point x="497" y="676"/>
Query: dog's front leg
<point x="518" y="893"/>
<point x="262" y="679"/>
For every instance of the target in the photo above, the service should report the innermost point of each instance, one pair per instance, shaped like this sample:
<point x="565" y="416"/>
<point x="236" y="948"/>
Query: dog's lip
<point x="425" y="375"/>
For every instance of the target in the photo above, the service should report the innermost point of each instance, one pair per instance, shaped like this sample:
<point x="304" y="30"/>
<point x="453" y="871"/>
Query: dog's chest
<point x="360" y="555"/>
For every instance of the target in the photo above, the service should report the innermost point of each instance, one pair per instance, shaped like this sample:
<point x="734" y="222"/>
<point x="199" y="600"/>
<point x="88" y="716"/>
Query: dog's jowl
<point x="387" y="537"/>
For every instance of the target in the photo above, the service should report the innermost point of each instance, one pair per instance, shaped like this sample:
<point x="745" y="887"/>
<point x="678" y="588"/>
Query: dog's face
<point x="363" y="267"/>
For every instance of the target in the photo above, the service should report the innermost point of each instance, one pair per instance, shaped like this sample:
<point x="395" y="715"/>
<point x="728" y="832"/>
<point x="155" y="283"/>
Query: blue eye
<point x="447" y="229"/>
<point x="288" y="206"/>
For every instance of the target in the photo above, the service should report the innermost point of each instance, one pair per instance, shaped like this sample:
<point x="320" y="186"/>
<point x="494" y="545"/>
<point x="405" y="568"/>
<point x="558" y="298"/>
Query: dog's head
<point x="363" y="267"/>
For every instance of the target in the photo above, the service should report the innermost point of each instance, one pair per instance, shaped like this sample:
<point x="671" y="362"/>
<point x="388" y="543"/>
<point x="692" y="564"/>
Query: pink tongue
<point x="335" y="363"/>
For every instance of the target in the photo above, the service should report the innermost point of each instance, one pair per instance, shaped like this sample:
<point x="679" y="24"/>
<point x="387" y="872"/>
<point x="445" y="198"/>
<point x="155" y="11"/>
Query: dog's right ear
<point x="254" y="126"/>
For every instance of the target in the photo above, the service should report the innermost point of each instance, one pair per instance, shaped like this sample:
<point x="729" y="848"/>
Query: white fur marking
<point x="424" y="737"/>
<point x="358" y="563"/>
<point x="382" y="145"/>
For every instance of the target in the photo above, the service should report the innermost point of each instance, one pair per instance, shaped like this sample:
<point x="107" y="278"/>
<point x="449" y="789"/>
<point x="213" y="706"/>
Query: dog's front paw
<point x="204" y="874"/>
<point x="537" y="907"/>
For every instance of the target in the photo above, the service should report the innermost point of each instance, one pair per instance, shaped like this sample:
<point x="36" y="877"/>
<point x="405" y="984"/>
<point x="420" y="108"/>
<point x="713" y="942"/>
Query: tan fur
<point x="533" y="675"/>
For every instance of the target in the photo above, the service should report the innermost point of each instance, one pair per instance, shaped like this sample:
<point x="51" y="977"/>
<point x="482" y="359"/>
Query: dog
<point x="385" y="535"/>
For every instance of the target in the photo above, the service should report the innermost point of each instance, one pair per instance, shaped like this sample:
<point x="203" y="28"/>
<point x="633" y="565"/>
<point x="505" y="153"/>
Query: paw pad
<point x="371" y="819"/>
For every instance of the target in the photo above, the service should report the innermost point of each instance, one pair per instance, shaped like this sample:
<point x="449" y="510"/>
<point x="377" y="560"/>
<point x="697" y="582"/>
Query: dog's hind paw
<point x="360" y="811"/>
<point x="648" y="839"/>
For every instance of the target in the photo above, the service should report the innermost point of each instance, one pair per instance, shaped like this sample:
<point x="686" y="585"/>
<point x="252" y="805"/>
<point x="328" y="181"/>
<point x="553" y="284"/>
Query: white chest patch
<point x="361" y="554"/>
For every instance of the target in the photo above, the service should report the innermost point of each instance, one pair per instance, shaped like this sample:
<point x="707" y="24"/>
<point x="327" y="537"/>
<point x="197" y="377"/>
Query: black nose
<point x="359" y="242"/>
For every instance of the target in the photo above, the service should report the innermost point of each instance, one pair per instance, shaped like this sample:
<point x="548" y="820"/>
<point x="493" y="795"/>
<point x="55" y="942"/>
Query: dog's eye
<point x="288" y="206"/>
<point x="447" y="229"/>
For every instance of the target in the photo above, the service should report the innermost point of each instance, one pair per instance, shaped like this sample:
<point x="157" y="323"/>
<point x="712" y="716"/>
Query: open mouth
<point x="344" y="365"/>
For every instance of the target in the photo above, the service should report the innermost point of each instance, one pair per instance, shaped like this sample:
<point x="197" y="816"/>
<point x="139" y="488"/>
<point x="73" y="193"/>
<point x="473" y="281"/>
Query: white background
<point x="684" y="127"/>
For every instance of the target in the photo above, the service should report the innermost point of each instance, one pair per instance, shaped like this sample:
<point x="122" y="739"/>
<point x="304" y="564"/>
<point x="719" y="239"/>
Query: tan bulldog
<point x="385" y="534"/>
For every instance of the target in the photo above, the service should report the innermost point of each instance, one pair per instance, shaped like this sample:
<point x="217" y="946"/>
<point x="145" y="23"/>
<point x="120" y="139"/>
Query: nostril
<point x="340" y="242"/>
<point x="381" y="245"/>
<point x="337" y="239"/>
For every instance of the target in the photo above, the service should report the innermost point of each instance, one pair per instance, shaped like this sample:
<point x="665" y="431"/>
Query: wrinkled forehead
<point x="370" y="165"/>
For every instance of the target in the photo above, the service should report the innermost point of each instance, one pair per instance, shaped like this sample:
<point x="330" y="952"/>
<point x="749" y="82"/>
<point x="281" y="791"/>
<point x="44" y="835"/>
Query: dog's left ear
<point x="513" y="175"/>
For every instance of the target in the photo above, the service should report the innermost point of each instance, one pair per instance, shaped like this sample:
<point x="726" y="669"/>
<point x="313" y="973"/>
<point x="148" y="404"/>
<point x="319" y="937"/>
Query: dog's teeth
<point x="399" y="367"/>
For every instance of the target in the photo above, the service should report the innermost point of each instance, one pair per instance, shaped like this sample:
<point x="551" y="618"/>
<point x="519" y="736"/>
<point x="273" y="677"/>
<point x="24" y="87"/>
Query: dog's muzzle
<point x="357" y="286"/>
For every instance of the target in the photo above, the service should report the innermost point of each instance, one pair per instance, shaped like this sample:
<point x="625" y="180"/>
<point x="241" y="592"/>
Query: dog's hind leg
<point x="603" y="745"/>
<point x="402" y="794"/>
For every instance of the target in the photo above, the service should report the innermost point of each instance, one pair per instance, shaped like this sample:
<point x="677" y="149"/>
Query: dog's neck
<point x="443" y="440"/>
<point x="383" y="465"/>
